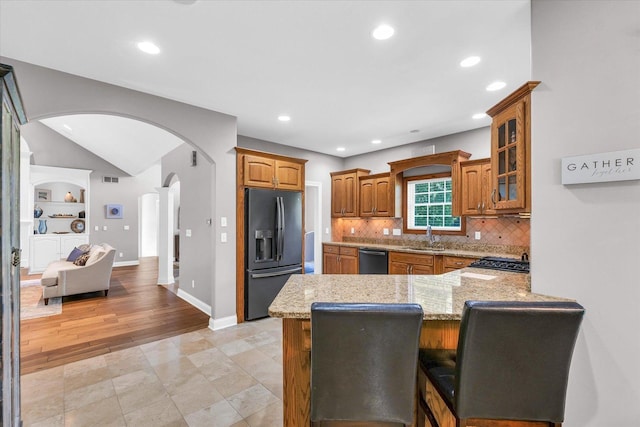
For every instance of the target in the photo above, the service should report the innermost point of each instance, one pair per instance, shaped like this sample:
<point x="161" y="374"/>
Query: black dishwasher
<point x="372" y="261"/>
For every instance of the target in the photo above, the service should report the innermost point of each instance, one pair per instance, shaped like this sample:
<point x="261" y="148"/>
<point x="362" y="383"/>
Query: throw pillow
<point x="75" y="253"/>
<point x="81" y="260"/>
<point x="95" y="256"/>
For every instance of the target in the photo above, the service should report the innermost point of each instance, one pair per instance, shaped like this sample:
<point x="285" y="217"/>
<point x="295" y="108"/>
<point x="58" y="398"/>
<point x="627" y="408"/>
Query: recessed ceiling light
<point x="470" y="61"/>
<point x="284" y="118"/>
<point x="376" y="141"/>
<point x="478" y="116"/>
<point x="496" y="86"/>
<point x="67" y="127"/>
<point x="340" y="149"/>
<point x="148" y="47"/>
<point x="382" y="32"/>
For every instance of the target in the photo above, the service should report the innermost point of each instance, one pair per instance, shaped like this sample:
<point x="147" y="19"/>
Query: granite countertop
<point x="448" y="250"/>
<point x="442" y="297"/>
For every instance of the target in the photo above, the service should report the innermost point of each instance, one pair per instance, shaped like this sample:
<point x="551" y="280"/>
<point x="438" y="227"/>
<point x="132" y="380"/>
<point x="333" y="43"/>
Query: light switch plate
<point x="126" y="227"/>
<point x="478" y="235"/>
<point x="223" y="221"/>
<point x="104" y="228"/>
<point x="223" y="237"/>
<point x="397" y="232"/>
<point x="187" y="232"/>
<point x="385" y="231"/>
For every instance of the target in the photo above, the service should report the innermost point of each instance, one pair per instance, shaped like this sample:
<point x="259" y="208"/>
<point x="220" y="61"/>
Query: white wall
<point x="585" y="239"/>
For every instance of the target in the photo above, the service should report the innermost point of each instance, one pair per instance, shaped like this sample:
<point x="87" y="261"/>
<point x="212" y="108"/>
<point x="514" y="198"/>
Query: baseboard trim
<point x="205" y="308"/>
<point x="224" y="322"/>
<point x="126" y="263"/>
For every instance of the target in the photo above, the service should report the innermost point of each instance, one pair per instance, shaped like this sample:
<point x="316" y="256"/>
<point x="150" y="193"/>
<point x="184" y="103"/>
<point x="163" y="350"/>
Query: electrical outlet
<point x="96" y="228"/>
<point x="187" y="232"/>
<point x="397" y="232"/>
<point x="223" y="237"/>
<point x="126" y="227"/>
<point x="223" y="221"/>
<point x="353" y="230"/>
<point x="120" y="254"/>
<point x="326" y="230"/>
<point x="193" y="283"/>
<point x="478" y="235"/>
<point x="104" y="228"/>
<point x="385" y="231"/>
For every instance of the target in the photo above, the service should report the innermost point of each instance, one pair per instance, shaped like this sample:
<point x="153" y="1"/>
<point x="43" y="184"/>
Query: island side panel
<point x="439" y="334"/>
<point x="296" y="351"/>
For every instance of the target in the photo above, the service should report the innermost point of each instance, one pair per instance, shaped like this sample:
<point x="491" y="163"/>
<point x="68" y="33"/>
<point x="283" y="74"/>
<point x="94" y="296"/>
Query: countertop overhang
<point x="442" y="297"/>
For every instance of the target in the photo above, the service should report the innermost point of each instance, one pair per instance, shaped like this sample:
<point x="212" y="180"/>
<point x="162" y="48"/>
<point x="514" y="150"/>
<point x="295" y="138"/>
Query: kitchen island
<point x="442" y="298"/>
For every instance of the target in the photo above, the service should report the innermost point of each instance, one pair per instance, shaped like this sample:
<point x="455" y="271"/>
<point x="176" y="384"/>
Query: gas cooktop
<point x="503" y="264"/>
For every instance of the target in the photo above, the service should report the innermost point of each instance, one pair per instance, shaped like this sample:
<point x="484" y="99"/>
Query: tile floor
<point x="231" y="377"/>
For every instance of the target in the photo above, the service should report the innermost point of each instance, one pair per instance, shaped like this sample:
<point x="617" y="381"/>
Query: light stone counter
<point x="449" y="249"/>
<point x="442" y="296"/>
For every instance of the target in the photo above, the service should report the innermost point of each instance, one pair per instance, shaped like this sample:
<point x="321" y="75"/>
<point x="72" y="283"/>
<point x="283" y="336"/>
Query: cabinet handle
<point x="479" y="207"/>
<point x="458" y="263"/>
<point x="408" y="269"/>
<point x="482" y="206"/>
<point x="493" y="199"/>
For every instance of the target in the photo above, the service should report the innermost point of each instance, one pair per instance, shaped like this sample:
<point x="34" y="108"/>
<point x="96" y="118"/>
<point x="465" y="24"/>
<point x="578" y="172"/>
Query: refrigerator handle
<point x="279" y="238"/>
<point x="282" y="226"/>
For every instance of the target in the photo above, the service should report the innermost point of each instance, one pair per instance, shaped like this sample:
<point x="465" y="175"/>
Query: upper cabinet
<point x="271" y="171"/>
<point x="345" y="186"/>
<point x="476" y="187"/>
<point x="511" y="151"/>
<point x="375" y="195"/>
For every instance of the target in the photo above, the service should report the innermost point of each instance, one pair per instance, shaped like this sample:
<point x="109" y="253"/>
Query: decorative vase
<point x="42" y="226"/>
<point x="37" y="212"/>
<point x="69" y="197"/>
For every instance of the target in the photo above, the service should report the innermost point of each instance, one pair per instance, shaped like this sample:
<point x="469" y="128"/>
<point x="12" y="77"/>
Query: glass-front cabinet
<point x="511" y="151"/>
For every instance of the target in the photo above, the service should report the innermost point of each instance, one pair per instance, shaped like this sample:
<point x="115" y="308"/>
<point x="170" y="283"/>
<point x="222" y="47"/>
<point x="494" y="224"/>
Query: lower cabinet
<point x="50" y="247"/>
<point x="339" y="260"/>
<point x="409" y="263"/>
<point x="452" y="263"/>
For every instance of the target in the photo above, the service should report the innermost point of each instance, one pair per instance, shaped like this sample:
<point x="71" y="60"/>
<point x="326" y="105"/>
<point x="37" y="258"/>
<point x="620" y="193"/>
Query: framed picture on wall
<point x="43" y="195"/>
<point x="113" y="211"/>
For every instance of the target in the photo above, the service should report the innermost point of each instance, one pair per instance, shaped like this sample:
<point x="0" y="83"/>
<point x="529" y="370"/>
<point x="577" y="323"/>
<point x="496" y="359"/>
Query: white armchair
<point x="62" y="278"/>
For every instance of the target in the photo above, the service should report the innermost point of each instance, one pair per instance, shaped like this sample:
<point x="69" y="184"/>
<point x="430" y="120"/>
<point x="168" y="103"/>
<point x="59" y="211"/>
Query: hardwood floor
<point x="136" y="311"/>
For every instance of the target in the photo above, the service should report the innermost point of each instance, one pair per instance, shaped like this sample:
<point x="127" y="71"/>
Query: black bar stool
<point x="512" y="363"/>
<point x="364" y="360"/>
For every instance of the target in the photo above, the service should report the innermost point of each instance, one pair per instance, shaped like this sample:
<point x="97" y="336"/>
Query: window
<point x="429" y="203"/>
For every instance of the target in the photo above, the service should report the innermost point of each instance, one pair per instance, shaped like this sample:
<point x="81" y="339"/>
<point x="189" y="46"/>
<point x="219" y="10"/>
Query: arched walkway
<point x="49" y="93"/>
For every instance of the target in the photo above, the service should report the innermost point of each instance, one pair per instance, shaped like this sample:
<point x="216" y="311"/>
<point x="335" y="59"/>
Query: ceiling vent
<point x="111" y="179"/>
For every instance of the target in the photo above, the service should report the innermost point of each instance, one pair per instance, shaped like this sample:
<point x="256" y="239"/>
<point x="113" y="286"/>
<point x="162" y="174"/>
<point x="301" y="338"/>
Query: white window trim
<point x="411" y="206"/>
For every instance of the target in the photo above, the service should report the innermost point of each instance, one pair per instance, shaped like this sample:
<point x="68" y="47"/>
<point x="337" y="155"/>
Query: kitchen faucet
<point x="430" y="237"/>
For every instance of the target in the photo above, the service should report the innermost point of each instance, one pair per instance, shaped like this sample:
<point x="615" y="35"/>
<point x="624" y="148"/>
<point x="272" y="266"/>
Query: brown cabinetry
<point x="375" y="195"/>
<point x="345" y="192"/>
<point x="452" y="263"/>
<point x="272" y="172"/>
<point x="476" y="187"/>
<point x="511" y="151"/>
<point x="409" y="263"/>
<point x="339" y="260"/>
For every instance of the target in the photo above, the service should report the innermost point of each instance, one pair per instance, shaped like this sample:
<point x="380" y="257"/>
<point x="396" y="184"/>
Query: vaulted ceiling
<point x="314" y="61"/>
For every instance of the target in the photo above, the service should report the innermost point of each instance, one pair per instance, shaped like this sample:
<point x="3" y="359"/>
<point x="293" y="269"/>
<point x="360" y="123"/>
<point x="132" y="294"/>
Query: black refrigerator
<point x="273" y="246"/>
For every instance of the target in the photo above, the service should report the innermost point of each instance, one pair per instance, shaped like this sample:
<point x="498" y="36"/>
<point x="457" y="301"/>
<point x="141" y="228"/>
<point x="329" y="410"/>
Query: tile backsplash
<point x="508" y="231"/>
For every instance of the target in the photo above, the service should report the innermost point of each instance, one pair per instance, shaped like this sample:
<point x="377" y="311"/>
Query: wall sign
<point x="602" y="167"/>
